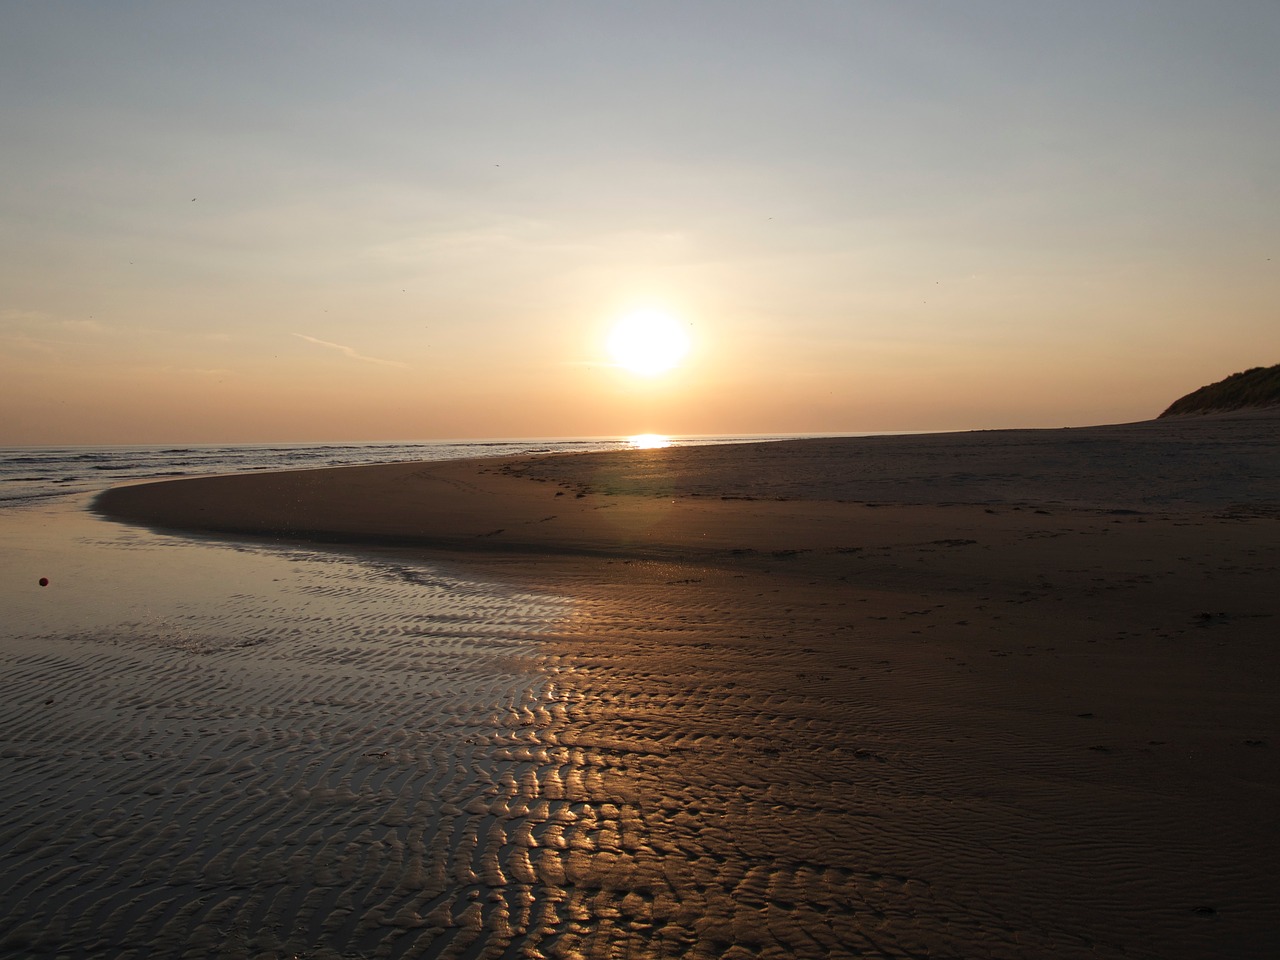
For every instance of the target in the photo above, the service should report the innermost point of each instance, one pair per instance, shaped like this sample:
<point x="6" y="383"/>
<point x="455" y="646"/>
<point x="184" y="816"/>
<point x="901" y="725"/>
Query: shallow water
<point x="218" y="749"/>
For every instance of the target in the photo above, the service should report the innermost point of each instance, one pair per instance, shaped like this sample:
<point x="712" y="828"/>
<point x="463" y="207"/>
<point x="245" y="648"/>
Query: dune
<point x="1255" y="388"/>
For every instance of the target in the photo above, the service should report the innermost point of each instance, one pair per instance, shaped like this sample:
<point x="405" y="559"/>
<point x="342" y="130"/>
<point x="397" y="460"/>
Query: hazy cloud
<point x="349" y="351"/>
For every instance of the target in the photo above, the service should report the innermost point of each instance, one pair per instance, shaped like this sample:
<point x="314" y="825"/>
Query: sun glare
<point x="648" y="342"/>
<point x="649" y="441"/>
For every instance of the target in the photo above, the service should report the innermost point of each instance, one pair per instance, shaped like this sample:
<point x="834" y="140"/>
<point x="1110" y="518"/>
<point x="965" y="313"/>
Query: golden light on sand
<point x="648" y="342"/>
<point x="649" y="441"/>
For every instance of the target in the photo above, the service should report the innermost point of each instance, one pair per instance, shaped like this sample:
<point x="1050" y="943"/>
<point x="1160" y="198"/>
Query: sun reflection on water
<point x="649" y="441"/>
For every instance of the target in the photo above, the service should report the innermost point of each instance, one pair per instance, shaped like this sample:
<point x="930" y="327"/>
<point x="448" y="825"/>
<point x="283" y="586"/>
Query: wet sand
<point x="1003" y="694"/>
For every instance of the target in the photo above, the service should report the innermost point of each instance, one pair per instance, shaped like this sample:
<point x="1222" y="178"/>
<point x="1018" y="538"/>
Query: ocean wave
<point x="31" y="497"/>
<point x="70" y="470"/>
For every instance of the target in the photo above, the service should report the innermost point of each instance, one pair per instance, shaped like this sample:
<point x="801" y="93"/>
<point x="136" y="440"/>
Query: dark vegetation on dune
<point x="1258" y="387"/>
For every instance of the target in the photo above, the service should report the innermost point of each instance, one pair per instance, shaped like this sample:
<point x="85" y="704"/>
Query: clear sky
<point x="332" y="221"/>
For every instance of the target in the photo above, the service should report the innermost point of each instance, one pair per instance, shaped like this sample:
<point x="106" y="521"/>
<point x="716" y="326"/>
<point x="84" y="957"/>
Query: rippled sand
<point x="1010" y="730"/>
<point x="286" y="754"/>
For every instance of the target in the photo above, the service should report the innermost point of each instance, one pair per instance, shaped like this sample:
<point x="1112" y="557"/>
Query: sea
<point x="32" y="474"/>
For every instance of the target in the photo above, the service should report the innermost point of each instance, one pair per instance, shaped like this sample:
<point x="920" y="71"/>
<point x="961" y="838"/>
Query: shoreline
<point x="728" y="503"/>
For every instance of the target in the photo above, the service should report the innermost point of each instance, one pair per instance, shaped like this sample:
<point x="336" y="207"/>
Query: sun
<point x="648" y="342"/>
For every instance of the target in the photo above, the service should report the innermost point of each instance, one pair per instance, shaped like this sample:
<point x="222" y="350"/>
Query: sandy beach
<point x="1001" y="694"/>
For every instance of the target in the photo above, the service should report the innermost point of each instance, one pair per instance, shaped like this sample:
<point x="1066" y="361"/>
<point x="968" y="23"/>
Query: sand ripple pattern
<point x="302" y="774"/>
<point x="382" y="761"/>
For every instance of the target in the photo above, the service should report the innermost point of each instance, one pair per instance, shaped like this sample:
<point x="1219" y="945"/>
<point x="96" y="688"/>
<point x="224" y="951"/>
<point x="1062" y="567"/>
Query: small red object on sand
<point x="44" y="581"/>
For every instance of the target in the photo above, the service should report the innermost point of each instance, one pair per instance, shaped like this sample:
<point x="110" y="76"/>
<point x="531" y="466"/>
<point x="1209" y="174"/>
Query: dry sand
<point x="1006" y="694"/>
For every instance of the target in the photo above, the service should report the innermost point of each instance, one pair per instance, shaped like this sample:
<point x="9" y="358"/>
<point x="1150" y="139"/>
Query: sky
<point x="245" y="222"/>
